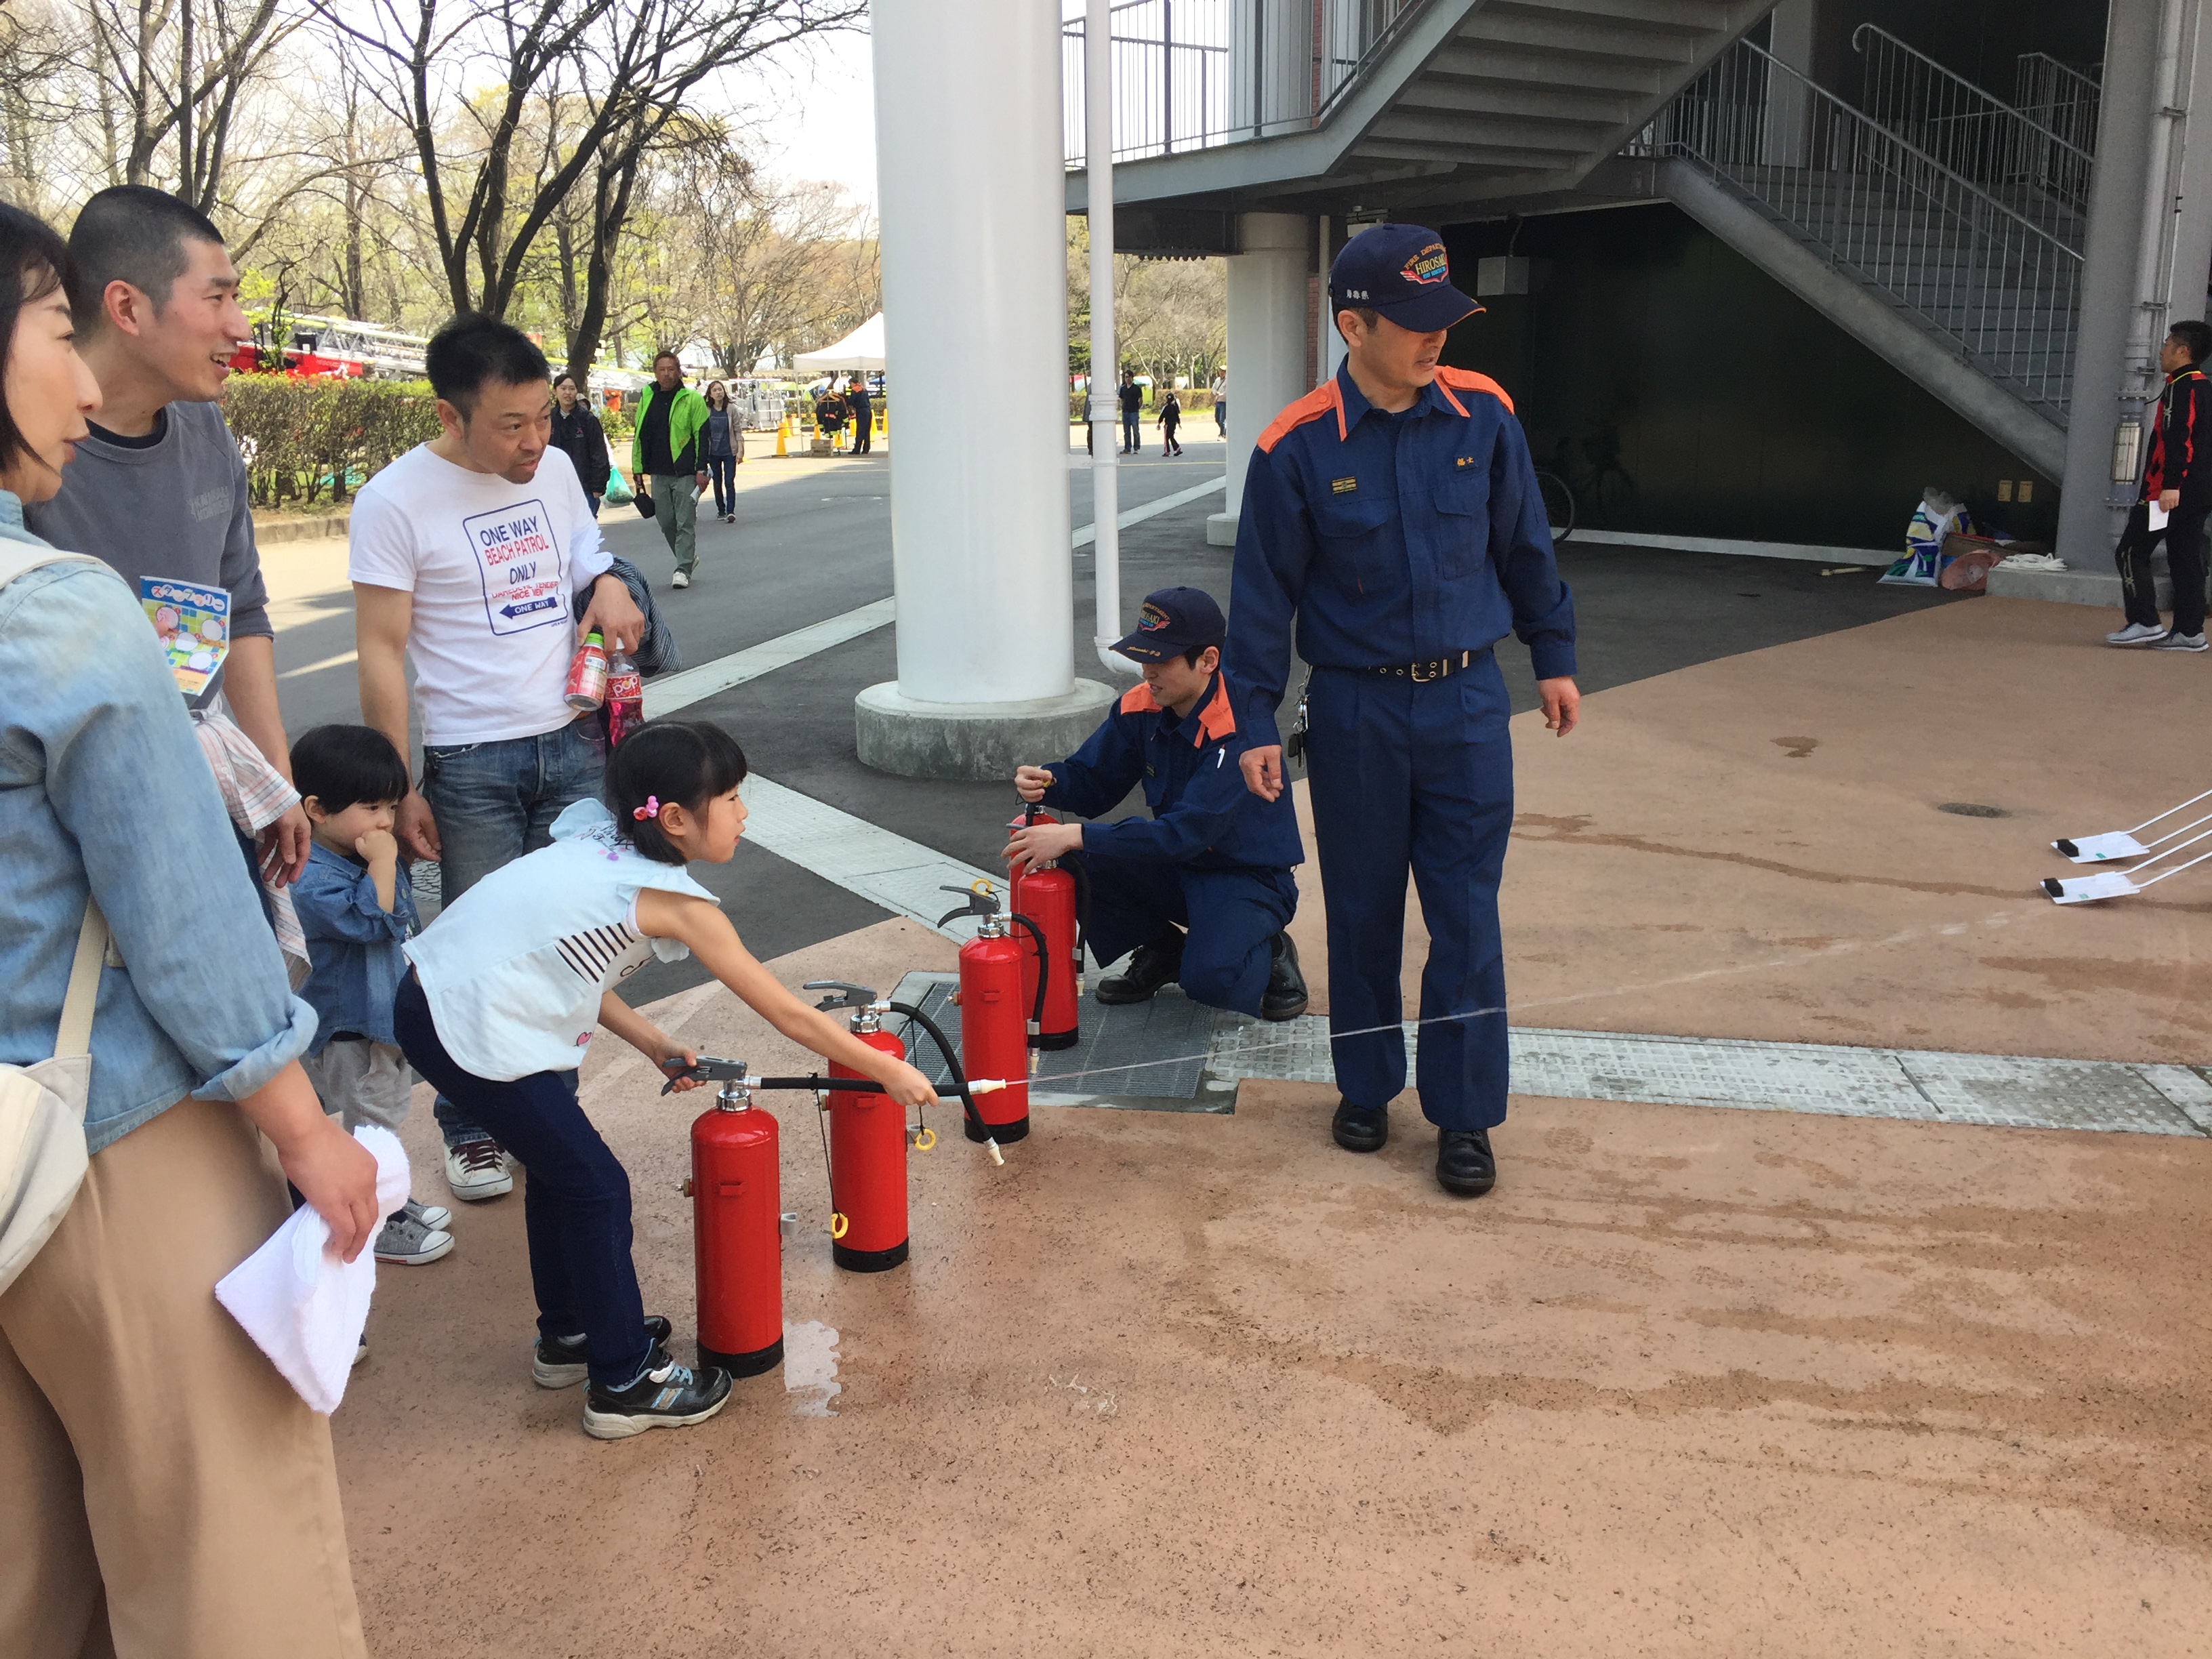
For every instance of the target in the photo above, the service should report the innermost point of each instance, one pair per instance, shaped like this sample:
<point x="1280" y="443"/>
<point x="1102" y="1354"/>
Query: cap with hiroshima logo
<point x="1401" y="272"/>
<point x="1174" y="621"/>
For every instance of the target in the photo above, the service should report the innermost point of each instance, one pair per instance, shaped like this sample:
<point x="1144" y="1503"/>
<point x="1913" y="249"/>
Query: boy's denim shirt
<point x="354" y="944"/>
<point x="104" y="790"/>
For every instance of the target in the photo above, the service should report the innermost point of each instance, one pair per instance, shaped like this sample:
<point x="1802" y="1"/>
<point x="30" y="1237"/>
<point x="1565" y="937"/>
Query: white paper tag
<point x="2082" y="890"/>
<point x="2097" y="849"/>
<point x="2157" y="515"/>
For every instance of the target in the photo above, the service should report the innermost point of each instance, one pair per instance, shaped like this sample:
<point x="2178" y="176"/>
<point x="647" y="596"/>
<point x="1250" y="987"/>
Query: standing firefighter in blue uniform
<point x="1210" y="858"/>
<point x="1395" y="514"/>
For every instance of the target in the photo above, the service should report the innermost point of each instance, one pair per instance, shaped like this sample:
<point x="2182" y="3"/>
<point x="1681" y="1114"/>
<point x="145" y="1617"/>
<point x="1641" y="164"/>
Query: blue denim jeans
<point x="493" y="803"/>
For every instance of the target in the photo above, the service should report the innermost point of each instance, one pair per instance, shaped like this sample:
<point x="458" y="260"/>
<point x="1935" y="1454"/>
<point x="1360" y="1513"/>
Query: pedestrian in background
<point x="163" y="1490"/>
<point x="668" y="460"/>
<point x="1133" y="413"/>
<point x="2178" y="482"/>
<point x="1221" y="404"/>
<point x="724" y="439"/>
<point x="577" y="432"/>
<point x="1170" y="418"/>
<point x="863" y="416"/>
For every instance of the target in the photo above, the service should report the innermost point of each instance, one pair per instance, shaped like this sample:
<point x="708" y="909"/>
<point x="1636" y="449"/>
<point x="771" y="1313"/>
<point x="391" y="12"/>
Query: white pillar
<point x="2191" y="271"/>
<point x="2087" y="524"/>
<point x="1270" y="358"/>
<point x="974" y="296"/>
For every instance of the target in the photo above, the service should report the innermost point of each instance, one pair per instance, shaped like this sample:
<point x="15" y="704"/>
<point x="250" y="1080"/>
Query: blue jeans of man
<point x="1420" y="776"/>
<point x="1131" y="439"/>
<point x="575" y="1197"/>
<point x="1233" y="917"/>
<point x="493" y="803"/>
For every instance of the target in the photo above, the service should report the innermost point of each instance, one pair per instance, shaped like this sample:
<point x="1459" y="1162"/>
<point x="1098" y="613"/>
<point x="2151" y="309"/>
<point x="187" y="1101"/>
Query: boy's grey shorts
<point x="362" y="1081"/>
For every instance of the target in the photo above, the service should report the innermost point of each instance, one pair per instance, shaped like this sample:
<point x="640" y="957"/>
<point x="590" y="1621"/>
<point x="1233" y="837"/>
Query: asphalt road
<point x="813" y="541"/>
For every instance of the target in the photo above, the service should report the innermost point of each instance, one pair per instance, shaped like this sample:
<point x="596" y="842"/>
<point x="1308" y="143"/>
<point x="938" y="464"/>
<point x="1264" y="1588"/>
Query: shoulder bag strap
<point x="75" y="1035"/>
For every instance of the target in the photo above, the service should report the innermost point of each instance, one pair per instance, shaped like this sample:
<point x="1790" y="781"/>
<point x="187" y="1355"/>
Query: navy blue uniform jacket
<point x="1202" y="814"/>
<point x="1395" y="539"/>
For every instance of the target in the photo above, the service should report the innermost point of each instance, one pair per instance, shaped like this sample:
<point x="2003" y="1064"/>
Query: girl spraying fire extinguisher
<point x="507" y="990"/>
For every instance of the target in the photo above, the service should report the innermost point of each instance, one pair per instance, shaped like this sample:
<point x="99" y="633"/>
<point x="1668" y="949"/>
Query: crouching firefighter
<point x="1201" y="890"/>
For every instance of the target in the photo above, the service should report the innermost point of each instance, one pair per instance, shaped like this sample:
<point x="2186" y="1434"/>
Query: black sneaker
<point x="1286" y="995"/>
<point x="1150" y="966"/>
<point x="666" y="1396"/>
<point x="563" y="1362"/>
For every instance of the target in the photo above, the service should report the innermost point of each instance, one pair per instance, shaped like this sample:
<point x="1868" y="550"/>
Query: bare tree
<point x="179" y="71"/>
<point x="636" y="62"/>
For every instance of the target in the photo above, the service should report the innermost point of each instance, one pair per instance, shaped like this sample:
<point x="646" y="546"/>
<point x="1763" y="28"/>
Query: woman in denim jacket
<point x="161" y="1487"/>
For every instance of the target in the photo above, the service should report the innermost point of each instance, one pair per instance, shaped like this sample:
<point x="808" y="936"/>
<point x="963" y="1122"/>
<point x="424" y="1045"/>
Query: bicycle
<point x="1559" y="505"/>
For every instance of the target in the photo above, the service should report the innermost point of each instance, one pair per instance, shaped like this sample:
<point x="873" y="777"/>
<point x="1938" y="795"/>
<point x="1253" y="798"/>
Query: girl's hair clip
<point x="650" y="810"/>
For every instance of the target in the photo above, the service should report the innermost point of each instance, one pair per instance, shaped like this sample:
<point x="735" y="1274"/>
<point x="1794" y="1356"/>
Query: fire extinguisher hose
<point x="952" y="1062"/>
<point x="1074" y="867"/>
<point x="1044" y="969"/>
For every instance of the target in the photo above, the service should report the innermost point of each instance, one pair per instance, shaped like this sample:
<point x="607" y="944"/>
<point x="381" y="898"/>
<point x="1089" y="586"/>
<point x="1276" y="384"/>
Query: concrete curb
<point x="978" y="741"/>
<point x="274" y="530"/>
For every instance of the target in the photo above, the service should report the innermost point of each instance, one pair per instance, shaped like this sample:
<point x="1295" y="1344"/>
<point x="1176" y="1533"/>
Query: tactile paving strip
<point x="2007" y="1091"/>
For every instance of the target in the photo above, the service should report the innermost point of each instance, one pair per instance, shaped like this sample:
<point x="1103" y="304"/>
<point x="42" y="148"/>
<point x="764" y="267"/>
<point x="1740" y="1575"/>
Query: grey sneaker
<point x="2136" y="634"/>
<point x="432" y="1216"/>
<point x="409" y="1244"/>
<point x="2181" y="642"/>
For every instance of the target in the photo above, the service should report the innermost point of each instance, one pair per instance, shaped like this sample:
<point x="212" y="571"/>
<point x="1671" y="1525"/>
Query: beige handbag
<point x="42" y="1157"/>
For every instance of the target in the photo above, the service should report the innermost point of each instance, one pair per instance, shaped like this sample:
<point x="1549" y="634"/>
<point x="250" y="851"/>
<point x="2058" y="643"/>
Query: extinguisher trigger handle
<point x="982" y="900"/>
<point x="848" y="995"/>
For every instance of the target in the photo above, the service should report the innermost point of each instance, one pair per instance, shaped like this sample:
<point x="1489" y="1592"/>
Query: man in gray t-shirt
<point x="159" y="488"/>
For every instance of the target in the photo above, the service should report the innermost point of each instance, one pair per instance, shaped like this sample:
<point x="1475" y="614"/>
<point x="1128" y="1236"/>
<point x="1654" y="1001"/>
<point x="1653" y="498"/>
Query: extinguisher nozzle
<point x="992" y="1147"/>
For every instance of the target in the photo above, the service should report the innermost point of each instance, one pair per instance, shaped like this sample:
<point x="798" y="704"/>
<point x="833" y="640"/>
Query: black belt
<point x="1434" y="669"/>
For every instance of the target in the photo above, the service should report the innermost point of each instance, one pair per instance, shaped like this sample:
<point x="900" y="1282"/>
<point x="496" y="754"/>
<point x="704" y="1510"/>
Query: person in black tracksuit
<point x="577" y="431"/>
<point x="2177" y="480"/>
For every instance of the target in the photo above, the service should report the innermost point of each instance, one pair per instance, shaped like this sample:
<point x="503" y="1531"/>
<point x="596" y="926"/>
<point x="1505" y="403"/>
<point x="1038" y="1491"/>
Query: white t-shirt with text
<point x="493" y="567"/>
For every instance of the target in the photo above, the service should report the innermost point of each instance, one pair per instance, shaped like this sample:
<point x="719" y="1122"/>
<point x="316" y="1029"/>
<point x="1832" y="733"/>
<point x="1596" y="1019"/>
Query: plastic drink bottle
<point x="625" y="696"/>
<point x="587" y="675"/>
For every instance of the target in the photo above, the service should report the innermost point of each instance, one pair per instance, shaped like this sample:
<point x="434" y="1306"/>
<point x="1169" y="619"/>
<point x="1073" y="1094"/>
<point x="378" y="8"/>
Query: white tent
<point x="861" y="349"/>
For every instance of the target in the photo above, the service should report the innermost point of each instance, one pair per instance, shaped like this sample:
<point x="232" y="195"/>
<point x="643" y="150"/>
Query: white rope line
<point x="1796" y="959"/>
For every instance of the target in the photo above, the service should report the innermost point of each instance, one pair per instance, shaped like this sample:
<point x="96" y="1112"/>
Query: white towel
<point x="303" y="1306"/>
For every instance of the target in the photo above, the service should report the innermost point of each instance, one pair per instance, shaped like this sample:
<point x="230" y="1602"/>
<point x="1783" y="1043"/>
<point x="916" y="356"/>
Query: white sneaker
<point x="478" y="1170"/>
<point x="2136" y="634"/>
<point x="683" y="580"/>
<point x="2181" y="642"/>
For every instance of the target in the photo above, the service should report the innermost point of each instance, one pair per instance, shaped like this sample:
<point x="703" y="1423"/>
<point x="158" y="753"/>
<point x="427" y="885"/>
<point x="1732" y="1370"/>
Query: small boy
<point x="356" y="908"/>
<point x="1213" y="856"/>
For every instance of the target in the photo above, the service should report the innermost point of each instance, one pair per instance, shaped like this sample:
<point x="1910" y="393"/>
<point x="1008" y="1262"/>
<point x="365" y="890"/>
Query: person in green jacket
<point x="668" y="460"/>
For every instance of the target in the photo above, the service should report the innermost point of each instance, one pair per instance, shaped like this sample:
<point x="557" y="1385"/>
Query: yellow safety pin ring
<point x="838" y="1225"/>
<point x="925" y="1140"/>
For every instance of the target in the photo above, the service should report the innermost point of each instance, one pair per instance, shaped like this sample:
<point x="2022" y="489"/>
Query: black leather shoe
<point x="1286" y="995"/>
<point x="1360" y="1128"/>
<point x="1465" y="1164"/>
<point x="1150" y="966"/>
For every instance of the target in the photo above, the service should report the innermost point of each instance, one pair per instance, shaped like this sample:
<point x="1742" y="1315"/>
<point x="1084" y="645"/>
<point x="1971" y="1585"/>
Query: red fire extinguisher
<point x="737" y="1233"/>
<point x="997" y="1020"/>
<point x="1058" y="897"/>
<point x="867" y="1148"/>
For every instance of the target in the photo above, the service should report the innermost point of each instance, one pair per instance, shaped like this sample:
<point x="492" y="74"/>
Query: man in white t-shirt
<point x="466" y="554"/>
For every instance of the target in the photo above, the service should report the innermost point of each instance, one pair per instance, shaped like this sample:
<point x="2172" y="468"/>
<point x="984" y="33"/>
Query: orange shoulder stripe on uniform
<point x="1468" y="380"/>
<point x="1311" y="407"/>
<point x="1138" y="699"/>
<point x="1216" y="720"/>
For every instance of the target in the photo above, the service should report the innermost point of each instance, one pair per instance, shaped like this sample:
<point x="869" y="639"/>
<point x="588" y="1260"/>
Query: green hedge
<point x="304" y="441"/>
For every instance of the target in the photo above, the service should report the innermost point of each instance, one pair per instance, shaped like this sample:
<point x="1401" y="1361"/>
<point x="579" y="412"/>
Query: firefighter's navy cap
<point x="1400" y="272"/>
<point x="1174" y="621"/>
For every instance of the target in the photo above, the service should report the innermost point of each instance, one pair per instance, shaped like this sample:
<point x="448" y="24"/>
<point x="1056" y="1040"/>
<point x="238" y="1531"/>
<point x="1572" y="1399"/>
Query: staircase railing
<point x="1973" y="269"/>
<point x="2059" y="96"/>
<point x="1193" y="73"/>
<point x="2007" y="151"/>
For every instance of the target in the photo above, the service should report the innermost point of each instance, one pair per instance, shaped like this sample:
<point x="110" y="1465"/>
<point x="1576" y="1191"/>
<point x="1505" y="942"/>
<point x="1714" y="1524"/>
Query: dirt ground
<point x="1689" y="1382"/>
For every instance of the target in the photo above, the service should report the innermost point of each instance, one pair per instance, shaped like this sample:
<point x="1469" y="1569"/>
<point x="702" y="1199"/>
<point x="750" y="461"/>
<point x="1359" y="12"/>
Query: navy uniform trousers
<point x="1420" y="777"/>
<point x="1232" y="915"/>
